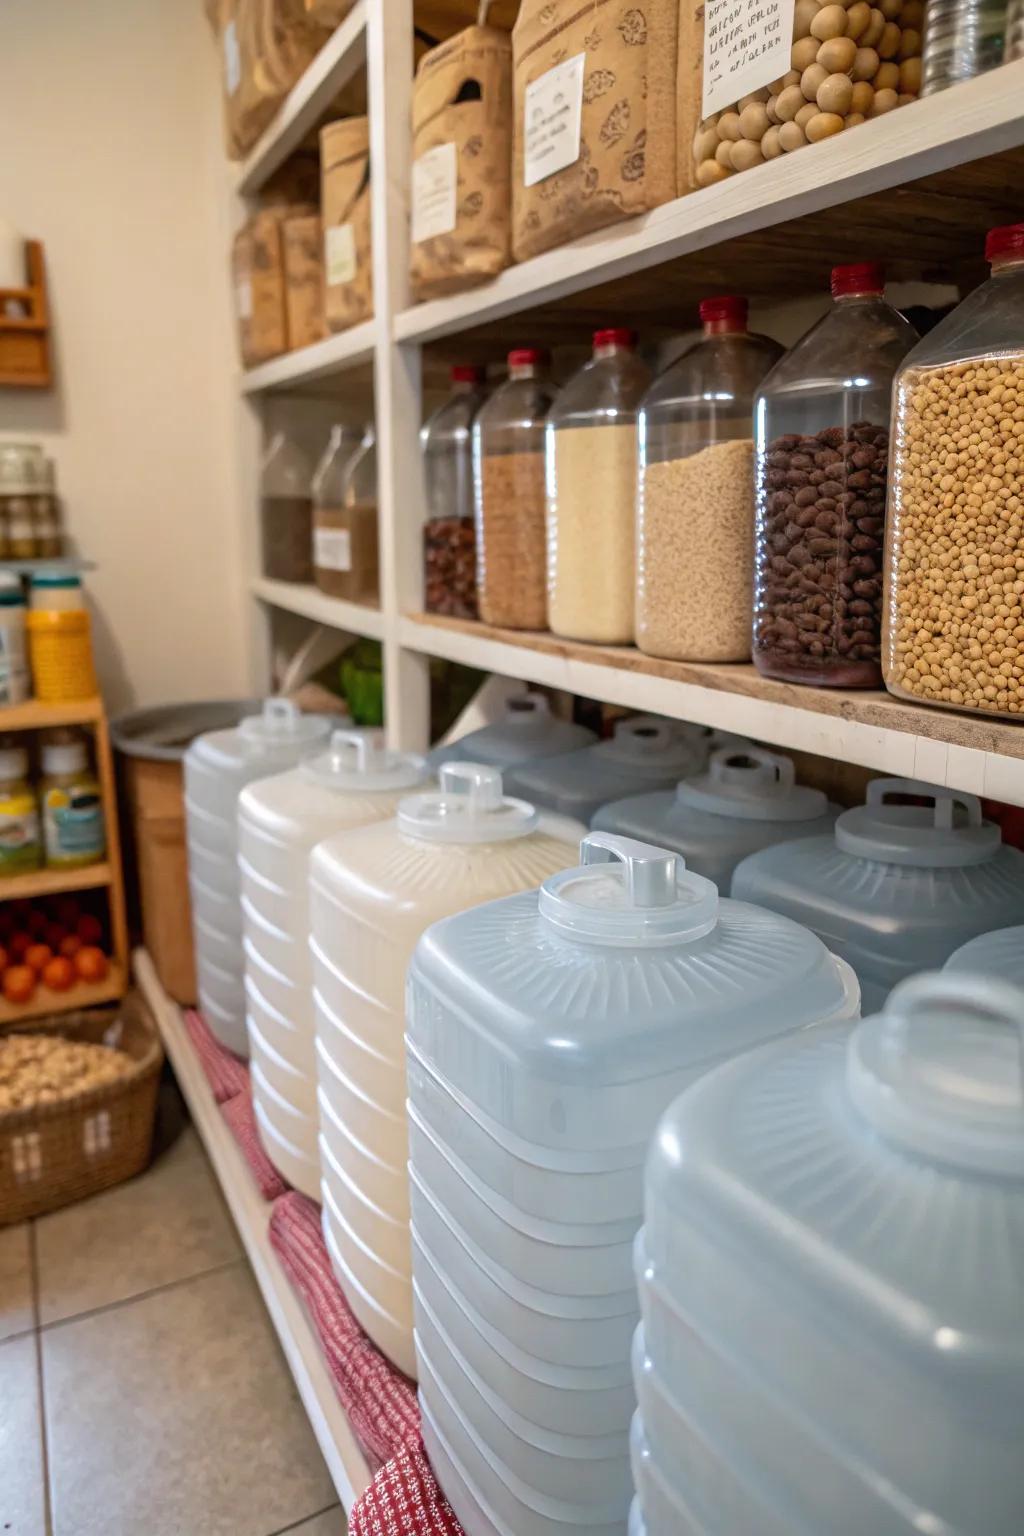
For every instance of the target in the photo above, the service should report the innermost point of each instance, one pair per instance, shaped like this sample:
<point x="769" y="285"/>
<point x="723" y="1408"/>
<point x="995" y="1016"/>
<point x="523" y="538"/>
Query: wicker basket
<point x="53" y="1154"/>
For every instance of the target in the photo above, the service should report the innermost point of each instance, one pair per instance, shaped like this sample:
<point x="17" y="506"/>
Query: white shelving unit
<point x="911" y="174"/>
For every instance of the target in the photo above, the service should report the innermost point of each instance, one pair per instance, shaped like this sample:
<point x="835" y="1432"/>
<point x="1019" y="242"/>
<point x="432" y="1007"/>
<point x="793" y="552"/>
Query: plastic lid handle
<point x="751" y="765"/>
<point x="650" y="873"/>
<point x="944" y="800"/>
<point x="480" y="786"/>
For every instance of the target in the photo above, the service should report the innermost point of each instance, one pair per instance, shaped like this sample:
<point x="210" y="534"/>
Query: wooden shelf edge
<point x="54" y="882"/>
<point x="874" y="729"/>
<point x="335" y="354"/>
<point x="34" y="715"/>
<point x="311" y="603"/>
<point x="345" y="1461"/>
<point x="46" y="1003"/>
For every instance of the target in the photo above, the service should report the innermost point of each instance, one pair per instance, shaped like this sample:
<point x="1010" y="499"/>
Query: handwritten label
<point x="332" y="549"/>
<point x="552" y="117"/>
<point x="435" y="180"/>
<point x="747" y="43"/>
<point x="232" y="58"/>
<point x="339" y="254"/>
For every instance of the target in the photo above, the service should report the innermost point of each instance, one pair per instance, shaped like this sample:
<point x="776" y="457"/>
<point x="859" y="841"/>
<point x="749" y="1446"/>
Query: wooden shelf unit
<point x="55" y="882"/>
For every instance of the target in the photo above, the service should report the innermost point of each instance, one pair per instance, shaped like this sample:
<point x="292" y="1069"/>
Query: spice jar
<point x="21" y="472"/>
<point x="591" y="447"/>
<point x="954" y="622"/>
<point x="286" y="512"/>
<point x="509" y="495"/>
<point x="72" y="805"/>
<point x="822" y="430"/>
<point x="46" y="514"/>
<point x="340" y="542"/>
<point x="448" y="539"/>
<point x="20" y="844"/>
<point x="695" y="510"/>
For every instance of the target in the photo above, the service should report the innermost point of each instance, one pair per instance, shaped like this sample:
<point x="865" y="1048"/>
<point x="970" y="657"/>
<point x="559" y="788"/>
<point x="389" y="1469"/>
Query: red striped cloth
<point x="404" y="1500"/>
<point x="379" y="1402"/>
<point x="225" y="1074"/>
<point x="241" y="1122"/>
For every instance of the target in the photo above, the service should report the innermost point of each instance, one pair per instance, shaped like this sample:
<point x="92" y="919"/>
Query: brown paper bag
<point x="345" y="210"/>
<point x="616" y="67"/>
<point x="258" y="271"/>
<point x="303" y="244"/>
<point x="689" y="90"/>
<point x="328" y="13"/>
<point x="462" y="148"/>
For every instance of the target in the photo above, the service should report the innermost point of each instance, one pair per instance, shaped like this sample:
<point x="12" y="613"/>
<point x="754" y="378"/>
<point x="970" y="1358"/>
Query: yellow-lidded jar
<point x="60" y="639"/>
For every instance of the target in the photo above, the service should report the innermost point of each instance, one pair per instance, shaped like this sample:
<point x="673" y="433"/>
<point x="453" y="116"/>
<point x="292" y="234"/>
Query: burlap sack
<point x="627" y="150"/>
<point x="462" y="149"/>
<point x="689" y="90"/>
<point x="345" y="210"/>
<point x="258" y="273"/>
<point x="265" y="46"/>
<point x="304" y="280"/>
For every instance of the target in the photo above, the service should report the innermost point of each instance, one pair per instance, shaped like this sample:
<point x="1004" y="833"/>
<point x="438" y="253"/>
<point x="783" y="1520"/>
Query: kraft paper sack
<point x="345" y="210"/>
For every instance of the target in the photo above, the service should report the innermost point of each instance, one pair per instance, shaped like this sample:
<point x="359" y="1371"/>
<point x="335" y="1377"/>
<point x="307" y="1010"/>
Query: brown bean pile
<point x="449" y="554"/>
<point x="511" y="540"/>
<point x="821" y="518"/>
<point x="44" y="1069"/>
<point x="955" y="622"/>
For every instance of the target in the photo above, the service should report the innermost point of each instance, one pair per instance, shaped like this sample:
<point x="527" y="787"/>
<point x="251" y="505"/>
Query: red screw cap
<point x="858" y="277"/>
<point x="524" y="357"/>
<point x="1005" y="240"/>
<point x="468" y="373"/>
<point x="730" y="307"/>
<point x="615" y="336"/>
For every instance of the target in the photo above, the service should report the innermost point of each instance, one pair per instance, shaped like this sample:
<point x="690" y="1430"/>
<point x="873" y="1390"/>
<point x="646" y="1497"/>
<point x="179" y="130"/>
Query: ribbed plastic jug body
<point x="832" y="1278"/>
<point x="545" y="1035"/>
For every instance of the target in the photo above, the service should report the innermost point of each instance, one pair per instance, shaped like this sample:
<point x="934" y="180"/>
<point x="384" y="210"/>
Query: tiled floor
<point x="142" y="1390"/>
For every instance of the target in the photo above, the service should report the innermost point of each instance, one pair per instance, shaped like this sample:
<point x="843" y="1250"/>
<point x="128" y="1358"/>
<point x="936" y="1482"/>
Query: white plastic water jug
<point x="902" y="881"/>
<point x="280" y="819"/>
<point x="546" y="1033"/>
<point x="832" y="1280"/>
<point x="747" y="798"/>
<point x="218" y="765"/>
<point x="527" y="730"/>
<point x="373" y="892"/>
<point x="999" y="955"/>
<point x="644" y="753"/>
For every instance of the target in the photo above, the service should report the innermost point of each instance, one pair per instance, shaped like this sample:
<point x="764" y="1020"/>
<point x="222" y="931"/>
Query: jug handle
<point x="279" y="713"/>
<point x="945" y="801"/>
<point x="476" y="783"/>
<point x="651" y="873"/>
<point x="722" y="767"/>
<point x="368" y="747"/>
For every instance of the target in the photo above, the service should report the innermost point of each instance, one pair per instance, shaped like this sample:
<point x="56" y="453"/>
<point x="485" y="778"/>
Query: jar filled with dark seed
<point x="821" y="473"/>
<point x="449" y="541"/>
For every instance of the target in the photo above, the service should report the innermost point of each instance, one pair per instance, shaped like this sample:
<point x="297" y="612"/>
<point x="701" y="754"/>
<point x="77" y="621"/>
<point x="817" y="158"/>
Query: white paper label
<point x="435" y="181"/>
<point x="552" y="118"/>
<point x="232" y="59"/>
<point x="747" y="43"/>
<point x="339" y="254"/>
<point x="332" y="549"/>
<point x="243" y="298"/>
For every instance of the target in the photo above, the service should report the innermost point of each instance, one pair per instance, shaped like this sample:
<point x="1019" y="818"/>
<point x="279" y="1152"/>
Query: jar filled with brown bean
<point x="954" y="623"/>
<point x="449" y="575"/>
<point x="822" y="448"/>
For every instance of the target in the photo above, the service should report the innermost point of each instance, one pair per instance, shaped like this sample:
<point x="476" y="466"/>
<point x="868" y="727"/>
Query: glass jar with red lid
<point x="448" y="543"/>
<point x="695" y="509"/>
<point x="954" y="620"/>
<point x="821" y="474"/>
<point x="509" y="495"/>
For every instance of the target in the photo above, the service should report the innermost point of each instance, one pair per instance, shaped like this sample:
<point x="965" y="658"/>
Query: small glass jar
<point x="509" y="494"/>
<point x="954" y="619"/>
<point x="448" y="536"/>
<point x="591" y="458"/>
<point x="821" y="474"/>
<point x="695" y="509"/>
<point x="333" y="552"/>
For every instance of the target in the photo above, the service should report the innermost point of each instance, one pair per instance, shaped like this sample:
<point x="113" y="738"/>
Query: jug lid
<point x="469" y="808"/>
<point x="647" y="742"/>
<point x="360" y="761"/>
<point x="628" y="893"/>
<point x="941" y="1071"/>
<point x="280" y="721"/>
<point x="947" y="832"/>
<point x="752" y="784"/>
<point x="999" y="954"/>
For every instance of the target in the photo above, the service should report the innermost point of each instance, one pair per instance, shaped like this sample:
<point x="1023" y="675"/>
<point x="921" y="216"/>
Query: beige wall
<point x="110" y="153"/>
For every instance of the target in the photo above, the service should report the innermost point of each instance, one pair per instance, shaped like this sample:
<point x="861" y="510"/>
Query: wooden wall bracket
<point x="25" y="339"/>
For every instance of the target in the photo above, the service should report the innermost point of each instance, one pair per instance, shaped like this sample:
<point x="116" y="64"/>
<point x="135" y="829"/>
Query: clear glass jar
<point x="954" y="620"/>
<point x="345" y="562"/>
<point x="962" y="38"/>
<point x="591" y="459"/>
<point x="448" y="538"/>
<point x="286" y="512"/>
<point x="695" y="507"/>
<point x="509" y="495"/>
<point x="822" y="434"/>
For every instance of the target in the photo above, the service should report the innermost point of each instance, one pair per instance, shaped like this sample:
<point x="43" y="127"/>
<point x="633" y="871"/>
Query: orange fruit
<point x="71" y="945"/>
<point x="59" y="973"/>
<point x="20" y="942"/>
<point x="67" y="909"/>
<point x="54" y="935"/>
<point x="91" y="963"/>
<point x="3" y="960"/>
<point x="38" y="956"/>
<point x="89" y="929"/>
<point x="19" y="983"/>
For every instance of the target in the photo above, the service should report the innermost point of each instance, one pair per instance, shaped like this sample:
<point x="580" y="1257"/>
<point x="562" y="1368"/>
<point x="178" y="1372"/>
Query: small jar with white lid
<point x="55" y="591"/>
<point x="74" y="830"/>
<point x="15" y="685"/>
<point x="20" y="842"/>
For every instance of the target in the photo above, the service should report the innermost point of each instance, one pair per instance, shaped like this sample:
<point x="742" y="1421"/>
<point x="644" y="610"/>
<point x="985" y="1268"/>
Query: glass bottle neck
<point x="525" y="371"/>
<point x="1004" y="265"/>
<point x="611" y="349"/>
<point x="724" y="327"/>
<point x="858" y="298"/>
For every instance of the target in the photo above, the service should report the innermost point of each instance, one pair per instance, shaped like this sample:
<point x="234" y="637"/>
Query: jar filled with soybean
<point x="448" y="538"/>
<point x="591" y="452"/>
<point x="509" y="495"/>
<point x="821" y="474"/>
<point x="695" y="507"/>
<point x="954" y="620"/>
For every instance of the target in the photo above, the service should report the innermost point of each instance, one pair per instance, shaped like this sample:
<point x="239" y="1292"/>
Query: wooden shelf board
<point x="874" y="729"/>
<point x="311" y="603"/>
<point x="341" y="1452"/>
<point x="36" y="716"/>
<point x="54" y="882"/>
<point x="776" y="230"/>
<point x="83" y="995"/>
<point x="308" y="102"/>
<point x="348" y="350"/>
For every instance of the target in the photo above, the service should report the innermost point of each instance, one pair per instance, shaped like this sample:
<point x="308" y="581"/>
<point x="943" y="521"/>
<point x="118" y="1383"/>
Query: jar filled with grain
<point x="954" y="618"/>
<point x="591" y="452"/>
<point x="345" y="549"/>
<point x="695" y="507"/>
<point x="448" y="542"/>
<point x="509" y="496"/>
<point x="821" y="470"/>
